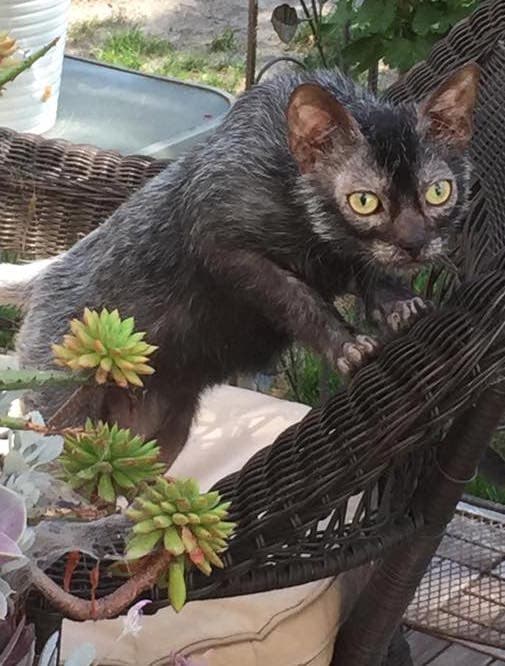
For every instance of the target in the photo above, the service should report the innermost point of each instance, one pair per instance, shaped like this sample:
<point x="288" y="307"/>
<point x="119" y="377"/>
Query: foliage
<point x="23" y="465"/>
<point x="224" y="42"/>
<point x="12" y="529"/>
<point x="191" y="525"/>
<point x="306" y="373"/>
<point x="357" y="35"/>
<point x="108" y="343"/>
<point x="103" y="461"/>
<point x="132" y="47"/>
<point x="12" y="524"/>
<point x="479" y="487"/>
<point x="10" y="317"/>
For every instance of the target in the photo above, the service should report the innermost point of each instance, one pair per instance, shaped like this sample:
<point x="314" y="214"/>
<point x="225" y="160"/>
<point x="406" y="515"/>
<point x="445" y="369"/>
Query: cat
<point x="309" y="189"/>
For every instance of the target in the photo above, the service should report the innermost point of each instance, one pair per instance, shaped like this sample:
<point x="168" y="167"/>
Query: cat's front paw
<point x="354" y="354"/>
<point x="398" y="314"/>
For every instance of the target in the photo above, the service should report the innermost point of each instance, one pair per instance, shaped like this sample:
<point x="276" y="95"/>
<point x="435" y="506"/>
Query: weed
<point x="481" y="488"/>
<point x="132" y="48"/>
<point x="225" y="42"/>
<point x="304" y="376"/>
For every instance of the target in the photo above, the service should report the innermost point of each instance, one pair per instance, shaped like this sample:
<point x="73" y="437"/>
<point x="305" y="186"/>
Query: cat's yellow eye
<point x="364" y="203"/>
<point x="439" y="193"/>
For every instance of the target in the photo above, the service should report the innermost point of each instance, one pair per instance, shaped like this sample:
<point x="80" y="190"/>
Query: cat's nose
<point x="414" y="247"/>
<point x="410" y="232"/>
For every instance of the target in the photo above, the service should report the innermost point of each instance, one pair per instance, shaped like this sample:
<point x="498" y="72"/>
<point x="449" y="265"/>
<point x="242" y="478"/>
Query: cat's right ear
<point x="315" y="121"/>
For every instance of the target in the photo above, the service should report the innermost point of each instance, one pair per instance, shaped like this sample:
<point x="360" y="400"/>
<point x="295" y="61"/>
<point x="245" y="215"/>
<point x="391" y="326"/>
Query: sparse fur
<point x="235" y="250"/>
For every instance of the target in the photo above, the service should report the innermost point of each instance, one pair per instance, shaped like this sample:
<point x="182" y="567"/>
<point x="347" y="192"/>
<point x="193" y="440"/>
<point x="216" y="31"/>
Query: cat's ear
<point x="315" y="121"/>
<point x="447" y="114"/>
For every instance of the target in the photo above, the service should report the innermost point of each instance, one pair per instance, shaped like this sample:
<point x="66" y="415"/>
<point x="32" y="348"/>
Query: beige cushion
<point x="287" y="627"/>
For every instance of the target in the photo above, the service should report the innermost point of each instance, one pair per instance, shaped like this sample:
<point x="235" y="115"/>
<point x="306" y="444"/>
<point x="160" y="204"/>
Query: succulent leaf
<point x="104" y="342"/>
<point x="177" y="583"/>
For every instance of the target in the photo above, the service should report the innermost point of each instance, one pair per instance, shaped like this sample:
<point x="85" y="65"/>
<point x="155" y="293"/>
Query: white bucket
<point x="30" y="102"/>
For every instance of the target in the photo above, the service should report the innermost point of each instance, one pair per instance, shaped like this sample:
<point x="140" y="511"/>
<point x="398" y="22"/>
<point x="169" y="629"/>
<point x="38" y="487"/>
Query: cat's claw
<point x="355" y="353"/>
<point x="402" y="313"/>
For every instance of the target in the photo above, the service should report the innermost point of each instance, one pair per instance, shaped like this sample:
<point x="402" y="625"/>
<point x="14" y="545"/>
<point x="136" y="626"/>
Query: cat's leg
<point x="292" y="304"/>
<point x="162" y="412"/>
<point x="391" y="304"/>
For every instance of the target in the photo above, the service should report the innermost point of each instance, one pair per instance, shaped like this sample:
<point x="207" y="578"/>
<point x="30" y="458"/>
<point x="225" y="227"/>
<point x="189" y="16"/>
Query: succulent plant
<point x="109" y="345"/>
<point x="12" y="529"/>
<point x="192" y="527"/>
<point x="105" y="461"/>
<point x="12" y="524"/>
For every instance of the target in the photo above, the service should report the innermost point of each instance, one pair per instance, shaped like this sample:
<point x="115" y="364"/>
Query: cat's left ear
<point x="447" y="114"/>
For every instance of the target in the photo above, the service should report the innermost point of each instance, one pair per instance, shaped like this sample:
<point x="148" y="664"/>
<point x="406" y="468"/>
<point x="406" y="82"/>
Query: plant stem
<point x="109" y="606"/>
<point x="373" y="77"/>
<point x="13" y="72"/>
<point x="314" y="30"/>
<point x="14" y="423"/>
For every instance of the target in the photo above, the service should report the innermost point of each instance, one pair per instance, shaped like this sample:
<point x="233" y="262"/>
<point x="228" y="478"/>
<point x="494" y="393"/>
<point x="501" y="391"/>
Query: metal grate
<point x="462" y="595"/>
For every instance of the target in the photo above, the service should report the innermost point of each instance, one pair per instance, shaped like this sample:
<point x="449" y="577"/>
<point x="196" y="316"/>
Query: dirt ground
<point x="186" y="23"/>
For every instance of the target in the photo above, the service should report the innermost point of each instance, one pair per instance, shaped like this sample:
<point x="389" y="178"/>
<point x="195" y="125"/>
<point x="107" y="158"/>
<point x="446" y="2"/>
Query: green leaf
<point x="172" y="541"/>
<point x="106" y="489"/>
<point x="177" y="583"/>
<point x="402" y="53"/>
<point x="376" y="16"/>
<point x="142" y="544"/>
<point x="363" y="53"/>
<point x="432" y="18"/>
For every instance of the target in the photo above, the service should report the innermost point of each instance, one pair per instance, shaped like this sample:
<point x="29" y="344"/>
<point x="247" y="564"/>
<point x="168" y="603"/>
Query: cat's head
<point x="384" y="182"/>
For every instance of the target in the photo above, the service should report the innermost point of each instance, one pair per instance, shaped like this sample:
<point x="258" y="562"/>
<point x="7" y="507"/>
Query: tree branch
<point x="315" y="31"/>
<point x="107" y="607"/>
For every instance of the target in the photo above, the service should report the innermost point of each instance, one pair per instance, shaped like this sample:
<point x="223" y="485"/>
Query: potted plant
<point x="26" y="26"/>
<point x="68" y="492"/>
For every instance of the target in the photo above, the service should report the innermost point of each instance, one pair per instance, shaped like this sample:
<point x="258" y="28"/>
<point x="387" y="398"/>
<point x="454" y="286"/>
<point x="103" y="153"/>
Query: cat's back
<point x="258" y="117"/>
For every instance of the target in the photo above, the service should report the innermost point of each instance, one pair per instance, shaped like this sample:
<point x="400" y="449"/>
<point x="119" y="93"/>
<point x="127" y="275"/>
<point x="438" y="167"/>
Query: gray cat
<point x="311" y="188"/>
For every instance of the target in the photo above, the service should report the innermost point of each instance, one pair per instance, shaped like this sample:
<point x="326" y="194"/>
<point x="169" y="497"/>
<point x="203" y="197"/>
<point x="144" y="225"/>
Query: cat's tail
<point x="15" y="280"/>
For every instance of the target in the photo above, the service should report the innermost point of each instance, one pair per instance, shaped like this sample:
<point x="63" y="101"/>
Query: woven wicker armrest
<point x="53" y="192"/>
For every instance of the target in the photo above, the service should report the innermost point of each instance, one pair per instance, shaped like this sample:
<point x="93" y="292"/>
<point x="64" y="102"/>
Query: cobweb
<point x="101" y="539"/>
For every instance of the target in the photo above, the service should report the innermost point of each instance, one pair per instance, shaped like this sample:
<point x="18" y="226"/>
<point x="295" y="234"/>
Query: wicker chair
<point x="407" y="433"/>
